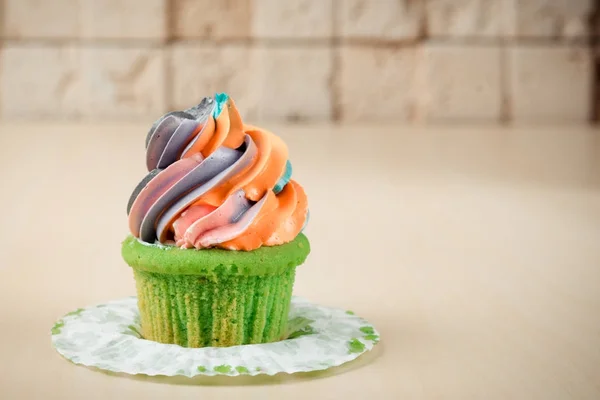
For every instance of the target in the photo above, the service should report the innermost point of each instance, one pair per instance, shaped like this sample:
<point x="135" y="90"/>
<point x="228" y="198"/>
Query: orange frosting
<point x="282" y="215"/>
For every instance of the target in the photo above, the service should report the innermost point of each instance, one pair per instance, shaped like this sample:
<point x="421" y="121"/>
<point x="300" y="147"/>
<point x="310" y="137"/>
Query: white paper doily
<point x="107" y="336"/>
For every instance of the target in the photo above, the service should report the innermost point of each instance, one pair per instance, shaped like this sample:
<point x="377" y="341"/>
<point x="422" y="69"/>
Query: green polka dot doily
<point x="107" y="336"/>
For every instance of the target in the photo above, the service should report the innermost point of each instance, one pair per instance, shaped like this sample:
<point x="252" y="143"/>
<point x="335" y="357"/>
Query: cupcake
<point x="215" y="230"/>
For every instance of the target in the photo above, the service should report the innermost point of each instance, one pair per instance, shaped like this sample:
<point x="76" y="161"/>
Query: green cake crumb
<point x="202" y="368"/>
<point x="57" y="327"/>
<point x="223" y="369"/>
<point x="76" y="312"/>
<point x="350" y="312"/>
<point x="355" y="346"/>
<point x="367" y="329"/>
<point x="241" y="369"/>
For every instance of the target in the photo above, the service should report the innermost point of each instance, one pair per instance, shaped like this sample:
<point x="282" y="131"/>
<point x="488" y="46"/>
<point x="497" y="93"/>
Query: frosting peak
<point x="216" y="182"/>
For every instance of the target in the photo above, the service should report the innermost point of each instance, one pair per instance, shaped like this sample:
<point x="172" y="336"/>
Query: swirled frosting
<point x="215" y="182"/>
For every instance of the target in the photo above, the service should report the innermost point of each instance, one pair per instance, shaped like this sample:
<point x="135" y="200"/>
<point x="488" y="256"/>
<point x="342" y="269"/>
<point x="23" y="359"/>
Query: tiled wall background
<point x="301" y="60"/>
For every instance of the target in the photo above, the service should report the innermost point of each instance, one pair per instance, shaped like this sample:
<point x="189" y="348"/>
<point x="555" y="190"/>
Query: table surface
<point x="475" y="252"/>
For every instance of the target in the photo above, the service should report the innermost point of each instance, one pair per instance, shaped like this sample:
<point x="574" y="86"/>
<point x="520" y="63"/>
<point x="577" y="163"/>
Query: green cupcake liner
<point x="214" y="297"/>
<point x="218" y="311"/>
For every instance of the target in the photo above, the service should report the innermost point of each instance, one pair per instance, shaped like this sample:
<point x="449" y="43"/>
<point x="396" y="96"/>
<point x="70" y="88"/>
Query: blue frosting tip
<point x="220" y="100"/>
<point x="287" y="175"/>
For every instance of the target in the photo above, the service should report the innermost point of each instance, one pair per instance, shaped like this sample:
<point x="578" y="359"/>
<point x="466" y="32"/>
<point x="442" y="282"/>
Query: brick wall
<point x="300" y="60"/>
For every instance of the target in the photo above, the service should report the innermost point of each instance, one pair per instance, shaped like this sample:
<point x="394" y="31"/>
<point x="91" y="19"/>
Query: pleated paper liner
<point x="108" y="336"/>
<point x="193" y="311"/>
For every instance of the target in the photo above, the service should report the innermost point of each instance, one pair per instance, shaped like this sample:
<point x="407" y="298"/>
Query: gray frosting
<point x="202" y="110"/>
<point x="202" y="186"/>
<point x="178" y="140"/>
<point x="220" y="160"/>
<point x="140" y="187"/>
<point x="178" y="114"/>
<point x="169" y="135"/>
<point x="161" y="136"/>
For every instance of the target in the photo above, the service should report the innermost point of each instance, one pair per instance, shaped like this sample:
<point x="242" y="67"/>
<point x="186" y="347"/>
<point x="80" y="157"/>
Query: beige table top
<point x="476" y="252"/>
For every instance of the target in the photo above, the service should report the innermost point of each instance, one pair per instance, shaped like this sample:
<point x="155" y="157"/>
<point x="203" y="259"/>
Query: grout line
<point x="167" y="54"/>
<point x="334" y="40"/>
<point x="519" y="41"/>
<point x="2" y="17"/>
<point x="125" y="43"/>
<point x="168" y="40"/>
<point x="334" y="83"/>
<point x="170" y="21"/>
<point x="2" y="24"/>
<point x="424" y="22"/>
<point x="594" y="28"/>
<point x="168" y="78"/>
<point x="506" y="97"/>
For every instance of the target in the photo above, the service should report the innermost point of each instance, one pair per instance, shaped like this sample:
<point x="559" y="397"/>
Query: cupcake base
<point x="214" y="297"/>
<point x="218" y="311"/>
